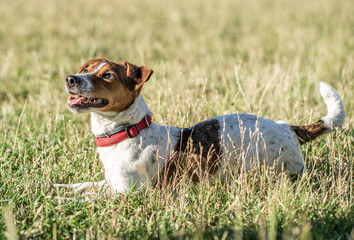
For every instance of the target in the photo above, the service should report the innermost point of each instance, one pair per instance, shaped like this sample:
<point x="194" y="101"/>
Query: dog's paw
<point x="80" y="188"/>
<point x="77" y="188"/>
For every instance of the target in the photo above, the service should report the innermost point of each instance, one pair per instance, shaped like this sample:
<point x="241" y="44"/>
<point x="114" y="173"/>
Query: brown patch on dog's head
<point x="91" y="65"/>
<point x="118" y="84"/>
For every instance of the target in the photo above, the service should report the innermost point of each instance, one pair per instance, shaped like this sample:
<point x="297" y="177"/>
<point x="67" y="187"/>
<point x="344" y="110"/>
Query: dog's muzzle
<point x="72" y="80"/>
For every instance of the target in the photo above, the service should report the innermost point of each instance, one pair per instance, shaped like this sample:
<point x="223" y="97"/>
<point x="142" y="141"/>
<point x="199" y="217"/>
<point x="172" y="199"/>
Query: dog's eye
<point x="106" y="76"/>
<point x="85" y="70"/>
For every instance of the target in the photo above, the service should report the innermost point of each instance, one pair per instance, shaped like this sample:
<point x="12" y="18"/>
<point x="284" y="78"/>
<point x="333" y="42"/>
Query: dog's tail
<point x="334" y="118"/>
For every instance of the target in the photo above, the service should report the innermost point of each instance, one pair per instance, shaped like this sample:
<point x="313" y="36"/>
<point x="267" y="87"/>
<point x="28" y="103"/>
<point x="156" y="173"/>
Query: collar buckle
<point x="128" y="133"/>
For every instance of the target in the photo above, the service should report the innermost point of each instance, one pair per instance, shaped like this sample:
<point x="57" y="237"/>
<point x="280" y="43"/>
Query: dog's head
<point x="104" y="86"/>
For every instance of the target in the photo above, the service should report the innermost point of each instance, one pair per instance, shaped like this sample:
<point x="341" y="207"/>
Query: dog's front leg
<point x="79" y="188"/>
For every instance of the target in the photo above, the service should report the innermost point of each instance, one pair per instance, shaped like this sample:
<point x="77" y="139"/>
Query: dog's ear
<point x="137" y="76"/>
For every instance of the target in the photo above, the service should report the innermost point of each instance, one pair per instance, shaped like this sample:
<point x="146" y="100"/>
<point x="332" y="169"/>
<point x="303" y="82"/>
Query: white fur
<point x="246" y="140"/>
<point x="336" y="115"/>
<point x="98" y="67"/>
<point x="245" y="137"/>
<point x="135" y="161"/>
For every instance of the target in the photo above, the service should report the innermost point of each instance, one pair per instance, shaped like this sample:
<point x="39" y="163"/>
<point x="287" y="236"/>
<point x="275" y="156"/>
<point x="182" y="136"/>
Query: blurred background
<point x="194" y="47"/>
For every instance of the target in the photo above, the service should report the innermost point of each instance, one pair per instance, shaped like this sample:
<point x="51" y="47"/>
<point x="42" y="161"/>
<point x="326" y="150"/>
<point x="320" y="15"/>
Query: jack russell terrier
<point x="134" y="151"/>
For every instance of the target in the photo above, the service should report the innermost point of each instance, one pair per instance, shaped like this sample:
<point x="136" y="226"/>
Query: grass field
<point x="209" y="58"/>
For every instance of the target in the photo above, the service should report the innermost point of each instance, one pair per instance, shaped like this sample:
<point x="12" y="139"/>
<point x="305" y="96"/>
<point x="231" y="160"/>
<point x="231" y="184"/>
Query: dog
<point x="134" y="151"/>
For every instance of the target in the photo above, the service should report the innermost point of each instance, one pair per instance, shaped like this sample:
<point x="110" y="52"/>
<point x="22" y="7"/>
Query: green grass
<point x="278" y="51"/>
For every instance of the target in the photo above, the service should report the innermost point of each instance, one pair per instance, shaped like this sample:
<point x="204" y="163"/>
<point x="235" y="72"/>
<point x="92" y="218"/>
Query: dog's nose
<point x="72" y="80"/>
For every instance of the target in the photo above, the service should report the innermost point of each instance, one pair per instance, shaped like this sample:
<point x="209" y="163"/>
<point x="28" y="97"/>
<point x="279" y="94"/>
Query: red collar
<point x="128" y="132"/>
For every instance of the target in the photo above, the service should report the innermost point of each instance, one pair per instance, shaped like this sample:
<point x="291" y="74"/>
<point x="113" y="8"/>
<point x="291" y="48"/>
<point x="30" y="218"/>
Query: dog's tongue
<point x="75" y="101"/>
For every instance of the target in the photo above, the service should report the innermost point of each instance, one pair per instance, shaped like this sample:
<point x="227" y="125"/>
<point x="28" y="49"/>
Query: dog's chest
<point x="130" y="163"/>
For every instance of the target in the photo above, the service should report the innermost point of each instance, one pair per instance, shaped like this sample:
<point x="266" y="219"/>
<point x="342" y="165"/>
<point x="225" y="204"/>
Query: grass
<point x="210" y="58"/>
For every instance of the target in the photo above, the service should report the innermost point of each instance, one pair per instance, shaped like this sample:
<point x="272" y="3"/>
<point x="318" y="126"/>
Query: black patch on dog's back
<point x="196" y="152"/>
<point x="201" y="136"/>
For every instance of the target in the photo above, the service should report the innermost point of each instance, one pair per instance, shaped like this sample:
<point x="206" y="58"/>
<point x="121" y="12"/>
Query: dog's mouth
<point x="78" y="101"/>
